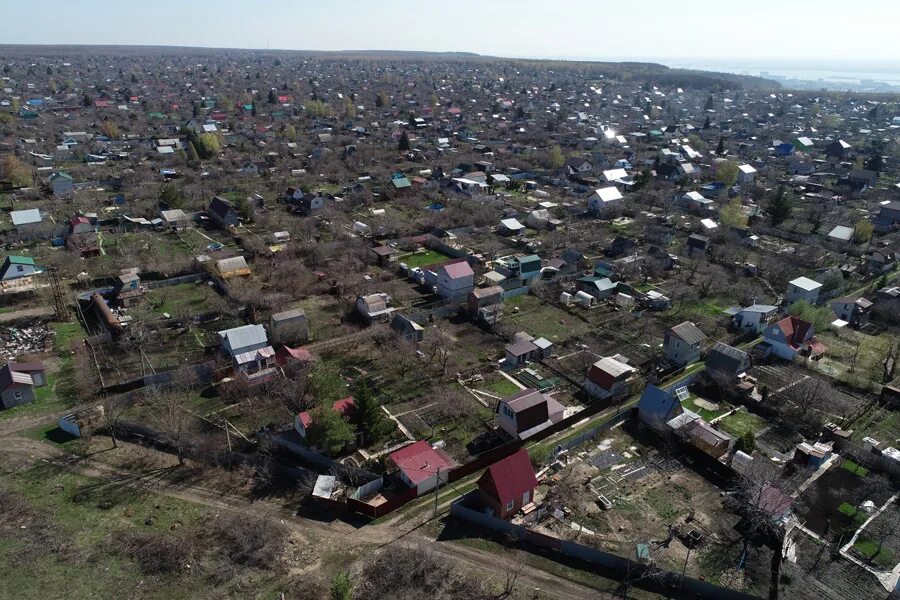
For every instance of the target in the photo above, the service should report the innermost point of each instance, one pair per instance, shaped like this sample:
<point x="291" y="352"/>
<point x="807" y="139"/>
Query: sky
<point x="822" y="31"/>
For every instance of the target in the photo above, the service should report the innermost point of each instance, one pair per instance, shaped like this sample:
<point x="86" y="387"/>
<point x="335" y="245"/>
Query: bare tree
<point x="175" y="423"/>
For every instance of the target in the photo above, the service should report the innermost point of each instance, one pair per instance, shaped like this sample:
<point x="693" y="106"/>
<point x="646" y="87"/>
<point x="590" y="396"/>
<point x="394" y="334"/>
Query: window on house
<point x="20" y="268"/>
<point x="510" y="504"/>
<point x="18" y="395"/>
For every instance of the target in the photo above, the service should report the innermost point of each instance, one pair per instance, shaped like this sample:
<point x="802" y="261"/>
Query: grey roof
<point x="235" y="263"/>
<point x="760" y="308"/>
<point x="525" y="399"/>
<point x="287" y="315"/>
<point x="25" y="217"/>
<point x="521" y="347"/>
<point x="725" y="358"/>
<point x="688" y="332"/>
<point x="246" y="335"/>
<point x="805" y="283"/>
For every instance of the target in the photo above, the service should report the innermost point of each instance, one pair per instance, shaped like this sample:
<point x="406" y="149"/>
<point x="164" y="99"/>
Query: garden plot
<point x="648" y="496"/>
<point x="839" y="501"/>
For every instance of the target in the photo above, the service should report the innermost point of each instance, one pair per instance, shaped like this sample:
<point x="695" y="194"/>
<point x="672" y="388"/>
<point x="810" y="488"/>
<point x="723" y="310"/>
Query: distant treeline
<point x="621" y="71"/>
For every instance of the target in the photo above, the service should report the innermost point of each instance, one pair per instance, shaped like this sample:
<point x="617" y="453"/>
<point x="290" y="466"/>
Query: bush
<point x="156" y="554"/>
<point x="250" y="541"/>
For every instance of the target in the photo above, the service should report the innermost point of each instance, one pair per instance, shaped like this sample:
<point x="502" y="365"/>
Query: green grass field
<point x="424" y="259"/>
<point x="691" y="405"/>
<point x="854" y="468"/>
<point x="741" y="422"/>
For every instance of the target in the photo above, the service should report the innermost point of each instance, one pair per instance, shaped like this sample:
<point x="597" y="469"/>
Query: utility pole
<point x="437" y="484"/>
<point x="59" y="299"/>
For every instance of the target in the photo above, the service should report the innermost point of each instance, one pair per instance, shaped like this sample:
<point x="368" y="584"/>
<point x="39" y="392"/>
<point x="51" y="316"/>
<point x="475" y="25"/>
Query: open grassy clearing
<point x="424" y="259"/>
<point x="540" y="319"/>
<point x="740" y="422"/>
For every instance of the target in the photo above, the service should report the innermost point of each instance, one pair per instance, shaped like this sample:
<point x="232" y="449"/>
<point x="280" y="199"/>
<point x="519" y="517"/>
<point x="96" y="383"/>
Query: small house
<point x="175" y="219"/>
<point x="754" y="317"/>
<point x="235" y="266"/>
<point x="727" y="360"/>
<point x="18" y="382"/>
<point x="222" y="212"/>
<point x="289" y="327"/>
<point x="421" y="466"/>
<point x="802" y="288"/>
<point x="249" y="349"/>
<point x="374" y="307"/>
<point x="62" y="184"/>
<point x="608" y="377"/>
<point x="454" y="280"/>
<point x="81" y="422"/>
<point x="527" y="412"/>
<point x="682" y="344"/>
<point x="407" y="329"/>
<point x="854" y="311"/>
<point x="791" y="337"/>
<point x="511" y="227"/>
<point x="508" y="485"/>
<point x="16" y="267"/>
<point x="28" y="222"/>
<point x="603" y="198"/>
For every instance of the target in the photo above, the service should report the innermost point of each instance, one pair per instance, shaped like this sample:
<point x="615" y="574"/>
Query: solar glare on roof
<point x="682" y="394"/>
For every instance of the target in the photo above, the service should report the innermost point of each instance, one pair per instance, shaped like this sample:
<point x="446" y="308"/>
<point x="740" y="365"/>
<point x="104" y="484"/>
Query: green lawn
<point x="741" y="422"/>
<point x="502" y="386"/>
<point x="856" y="516"/>
<point x="182" y="299"/>
<point x="854" y="468"/>
<point x="708" y="415"/>
<point x="424" y="259"/>
<point x="541" y="320"/>
<point x="870" y="550"/>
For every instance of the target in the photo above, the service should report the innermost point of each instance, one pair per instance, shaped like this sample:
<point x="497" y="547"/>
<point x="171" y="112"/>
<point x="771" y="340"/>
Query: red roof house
<point x="508" y="485"/>
<point x="792" y="336"/>
<point x="420" y="465"/>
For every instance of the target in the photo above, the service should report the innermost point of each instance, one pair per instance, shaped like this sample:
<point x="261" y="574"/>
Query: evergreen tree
<point x="328" y="430"/>
<point x="372" y="423"/>
<point x="341" y="587"/>
<point x="875" y="162"/>
<point x="404" y="142"/>
<point x="192" y="155"/>
<point x="86" y="101"/>
<point x="412" y="120"/>
<point x="780" y="207"/>
<point x="253" y="108"/>
<point x="195" y="110"/>
<point x="272" y="98"/>
<point x="709" y="104"/>
<point x="520" y="114"/>
<point x="720" y="149"/>
<point x="706" y="123"/>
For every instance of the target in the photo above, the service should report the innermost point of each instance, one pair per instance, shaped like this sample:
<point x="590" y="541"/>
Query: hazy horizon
<point x="822" y="31"/>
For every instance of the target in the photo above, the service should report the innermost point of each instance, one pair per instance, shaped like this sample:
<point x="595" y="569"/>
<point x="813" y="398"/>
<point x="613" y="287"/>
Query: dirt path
<point x="26" y="313"/>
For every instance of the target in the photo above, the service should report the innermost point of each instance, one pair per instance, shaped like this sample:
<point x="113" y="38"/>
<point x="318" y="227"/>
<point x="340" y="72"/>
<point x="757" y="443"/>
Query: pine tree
<point x="720" y="149"/>
<point x="253" y="109"/>
<point x="709" y="104"/>
<point x="372" y="422"/>
<point x="780" y="207"/>
<point x="404" y="142"/>
<point x="272" y="98"/>
<point x="192" y="155"/>
<point x="706" y="123"/>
